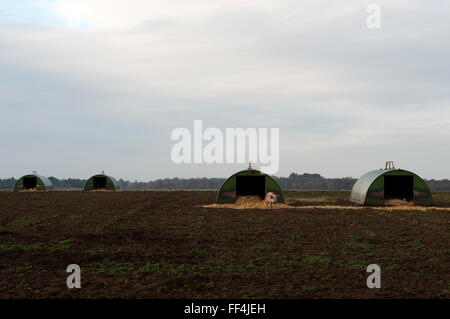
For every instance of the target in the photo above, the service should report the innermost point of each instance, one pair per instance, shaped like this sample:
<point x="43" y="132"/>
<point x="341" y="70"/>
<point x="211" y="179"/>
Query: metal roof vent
<point x="389" y="165"/>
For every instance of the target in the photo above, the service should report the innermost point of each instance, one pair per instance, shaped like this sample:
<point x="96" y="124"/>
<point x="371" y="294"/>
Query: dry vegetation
<point x="167" y="245"/>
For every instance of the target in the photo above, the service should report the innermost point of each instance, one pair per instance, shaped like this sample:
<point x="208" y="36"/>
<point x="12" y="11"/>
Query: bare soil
<point x="169" y="245"/>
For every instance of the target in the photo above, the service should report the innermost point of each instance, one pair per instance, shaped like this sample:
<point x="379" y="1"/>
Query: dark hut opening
<point x="99" y="182"/>
<point x="399" y="187"/>
<point x="29" y="182"/>
<point x="251" y="185"/>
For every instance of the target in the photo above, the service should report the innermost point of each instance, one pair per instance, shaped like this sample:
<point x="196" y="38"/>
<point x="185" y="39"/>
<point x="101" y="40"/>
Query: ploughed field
<point x="158" y="244"/>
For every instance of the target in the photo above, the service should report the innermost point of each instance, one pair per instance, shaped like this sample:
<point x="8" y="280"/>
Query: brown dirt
<point x="166" y="245"/>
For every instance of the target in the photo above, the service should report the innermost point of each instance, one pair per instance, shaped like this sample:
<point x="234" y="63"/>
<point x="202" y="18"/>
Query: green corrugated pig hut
<point x="377" y="187"/>
<point x="246" y="183"/>
<point x="33" y="182"/>
<point x="101" y="182"/>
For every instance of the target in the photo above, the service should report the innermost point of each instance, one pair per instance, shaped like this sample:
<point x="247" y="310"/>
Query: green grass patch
<point x="19" y="247"/>
<point x="63" y="244"/>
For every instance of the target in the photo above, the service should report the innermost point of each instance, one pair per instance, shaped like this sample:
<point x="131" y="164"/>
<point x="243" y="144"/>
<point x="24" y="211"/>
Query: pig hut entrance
<point x="251" y="185"/>
<point x="99" y="182"/>
<point x="29" y="182"/>
<point x="399" y="187"/>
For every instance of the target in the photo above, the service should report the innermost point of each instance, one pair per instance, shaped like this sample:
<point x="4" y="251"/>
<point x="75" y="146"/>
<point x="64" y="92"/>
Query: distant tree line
<point x="294" y="181"/>
<point x="442" y="185"/>
<point x="67" y="183"/>
<point x="314" y="182"/>
<point x="7" y="183"/>
<point x="175" y="183"/>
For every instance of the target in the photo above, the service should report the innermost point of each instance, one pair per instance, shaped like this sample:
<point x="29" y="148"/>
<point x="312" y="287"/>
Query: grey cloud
<point x="344" y="97"/>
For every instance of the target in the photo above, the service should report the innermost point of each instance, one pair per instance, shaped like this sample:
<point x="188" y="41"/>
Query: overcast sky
<point x="96" y="85"/>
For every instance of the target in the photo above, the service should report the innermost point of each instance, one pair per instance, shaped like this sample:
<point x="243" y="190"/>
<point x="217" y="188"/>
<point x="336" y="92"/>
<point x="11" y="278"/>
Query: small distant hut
<point x="101" y="182"/>
<point x="33" y="182"/>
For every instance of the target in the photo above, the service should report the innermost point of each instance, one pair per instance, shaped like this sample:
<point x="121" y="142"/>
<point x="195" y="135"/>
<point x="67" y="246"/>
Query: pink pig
<point x="271" y="198"/>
